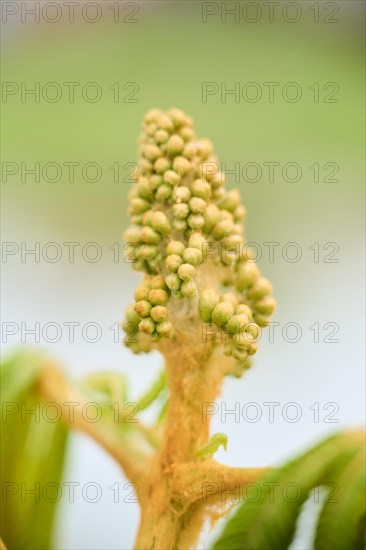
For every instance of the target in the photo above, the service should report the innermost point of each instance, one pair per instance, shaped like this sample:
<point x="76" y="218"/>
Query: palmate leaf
<point x="267" y="520"/>
<point x="32" y="456"/>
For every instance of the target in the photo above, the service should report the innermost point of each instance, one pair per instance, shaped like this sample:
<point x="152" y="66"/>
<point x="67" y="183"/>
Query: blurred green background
<point x="169" y="53"/>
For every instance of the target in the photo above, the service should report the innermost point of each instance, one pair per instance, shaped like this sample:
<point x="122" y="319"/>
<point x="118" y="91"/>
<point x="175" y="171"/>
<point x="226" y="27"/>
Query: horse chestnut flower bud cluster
<point x="187" y="238"/>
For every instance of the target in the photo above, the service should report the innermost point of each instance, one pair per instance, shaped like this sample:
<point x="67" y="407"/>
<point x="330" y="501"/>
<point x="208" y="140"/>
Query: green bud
<point x="173" y="281"/>
<point x="158" y="297"/>
<point x="232" y="243"/>
<point x="230" y="200"/>
<point x="181" y="194"/>
<point x="187" y="133"/>
<point x="261" y="320"/>
<point x="145" y="166"/>
<point x="161" y="165"/>
<point x="178" y="117"/>
<point x="260" y="289"/>
<point x="192" y="256"/>
<point x="155" y="181"/>
<point x="171" y="177"/>
<point x="189" y="289"/>
<point x="237" y="323"/>
<point x="228" y="349"/>
<point x="141" y="293"/>
<point x="143" y="308"/>
<point x="196" y="240"/>
<point x="147" y="326"/>
<point x="164" y="328"/>
<point x="149" y="236"/>
<point x="177" y="294"/>
<point x="204" y="148"/>
<point x="230" y="297"/>
<point x="186" y="272"/>
<point x="222" y="229"/>
<point x="158" y="282"/>
<point x="208" y="301"/>
<point x="152" y="116"/>
<point x="173" y="262"/>
<point x="247" y="274"/>
<point x="132" y="235"/>
<point x="144" y="189"/>
<point x="196" y="221"/>
<point x="163" y="192"/>
<point x="180" y="225"/>
<point x="222" y="313"/>
<point x="190" y="150"/>
<point x="147" y="252"/>
<point x="181" y="210"/>
<point x="197" y="205"/>
<point x="240" y="213"/>
<point x="201" y="189"/>
<point x="243" y="308"/>
<point x="160" y="223"/>
<point x="182" y="166"/>
<point x="266" y="305"/>
<point x="132" y="316"/>
<point x="239" y="354"/>
<point x="159" y="314"/>
<point x="152" y="152"/>
<point x="175" y="145"/>
<point x="155" y="337"/>
<point x="161" y="136"/>
<point x="138" y="206"/>
<point x="175" y="247"/>
<point x="217" y="180"/>
<point x="211" y="216"/>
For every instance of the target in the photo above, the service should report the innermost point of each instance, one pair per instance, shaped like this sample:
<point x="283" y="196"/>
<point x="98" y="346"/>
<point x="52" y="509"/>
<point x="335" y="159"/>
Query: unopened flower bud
<point x="147" y="326"/>
<point x="132" y="316"/>
<point x="180" y="225"/>
<point x="141" y="293"/>
<point x="181" y="210"/>
<point x="197" y="205"/>
<point x="161" y="136"/>
<point x="149" y="236"/>
<point x="158" y="297"/>
<point x="201" y="189"/>
<point x="138" y="206"/>
<point x="181" y="194"/>
<point x="222" y="313"/>
<point x="147" y="252"/>
<point x="161" y="165"/>
<point x="152" y="152"/>
<point x="237" y="323"/>
<point x="173" y="262"/>
<point x="222" y="229"/>
<point x="192" y="256"/>
<point x="173" y="281"/>
<point x="159" y="314"/>
<point x="189" y="289"/>
<point x="247" y="275"/>
<point x="182" y="166"/>
<point x="158" y="282"/>
<point x="208" y="300"/>
<point x="163" y="192"/>
<point x="164" y="328"/>
<point x="230" y="200"/>
<point x="175" y="247"/>
<point x="211" y="217"/>
<point x="143" y="308"/>
<point x="186" y="271"/>
<point x="160" y="223"/>
<point x="260" y="289"/>
<point x="196" y="240"/>
<point x="175" y="145"/>
<point x="196" y="221"/>
<point x="171" y="177"/>
<point x="266" y="305"/>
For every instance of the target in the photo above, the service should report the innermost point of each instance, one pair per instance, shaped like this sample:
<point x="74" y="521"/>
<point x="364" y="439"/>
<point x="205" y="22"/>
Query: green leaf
<point x="267" y="520"/>
<point x="214" y="443"/>
<point x="32" y="455"/>
<point x="342" y="520"/>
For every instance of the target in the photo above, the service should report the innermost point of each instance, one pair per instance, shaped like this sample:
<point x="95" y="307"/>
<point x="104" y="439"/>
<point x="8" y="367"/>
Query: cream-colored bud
<point x="175" y="247"/>
<point x="187" y="133"/>
<point x="158" y="282"/>
<point x="173" y="281"/>
<point x="230" y="200"/>
<point x="180" y="225"/>
<point x="159" y="314"/>
<point x="173" y="262"/>
<point x="266" y="305"/>
<point x="247" y="275"/>
<point x="158" y="297"/>
<point x="162" y="165"/>
<point x="208" y="300"/>
<point x="196" y="221"/>
<point x="240" y="213"/>
<point x="182" y="166"/>
<point x="189" y="151"/>
<point x="211" y="217"/>
<point x="230" y="297"/>
<point x="160" y="223"/>
<point x="260" y="289"/>
<point x="186" y="271"/>
<point x="239" y="354"/>
<point x="143" y="308"/>
<point x="204" y="148"/>
<point x="147" y="252"/>
<point x="138" y="206"/>
<point x="177" y="116"/>
<point x="201" y="189"/>
<point x="141" y="293"/>
<point x="237" y="323"/>
<point x="164" y="328"/>
<point x="243" y="308"/>
<point x="189" y="289"/>
<point x="163" y="192"/>
<point x="171" y="177"/>
<point x="222" y="313"/>
<point x="147" y="326"/>
<point x="196" y="240"/>
<point x="132" y="235"/>
<point x="161" y="136"/>
<point x="149" y="236"/>
<point x="155" y="181"/>
<point x="192" y="256"/>
<point x="181" y="210"/>
<point x="175" y="145"/>
<point x="155" y="337"/>
<point x="197" y="205"/>
<point x="181" y="194"/>
<point x="152" y="115"/>
<point x="152" y="152"/>
<point x="222" y="229"/>
<point x="217" y="180"/>
<point x="164" y="122"/>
